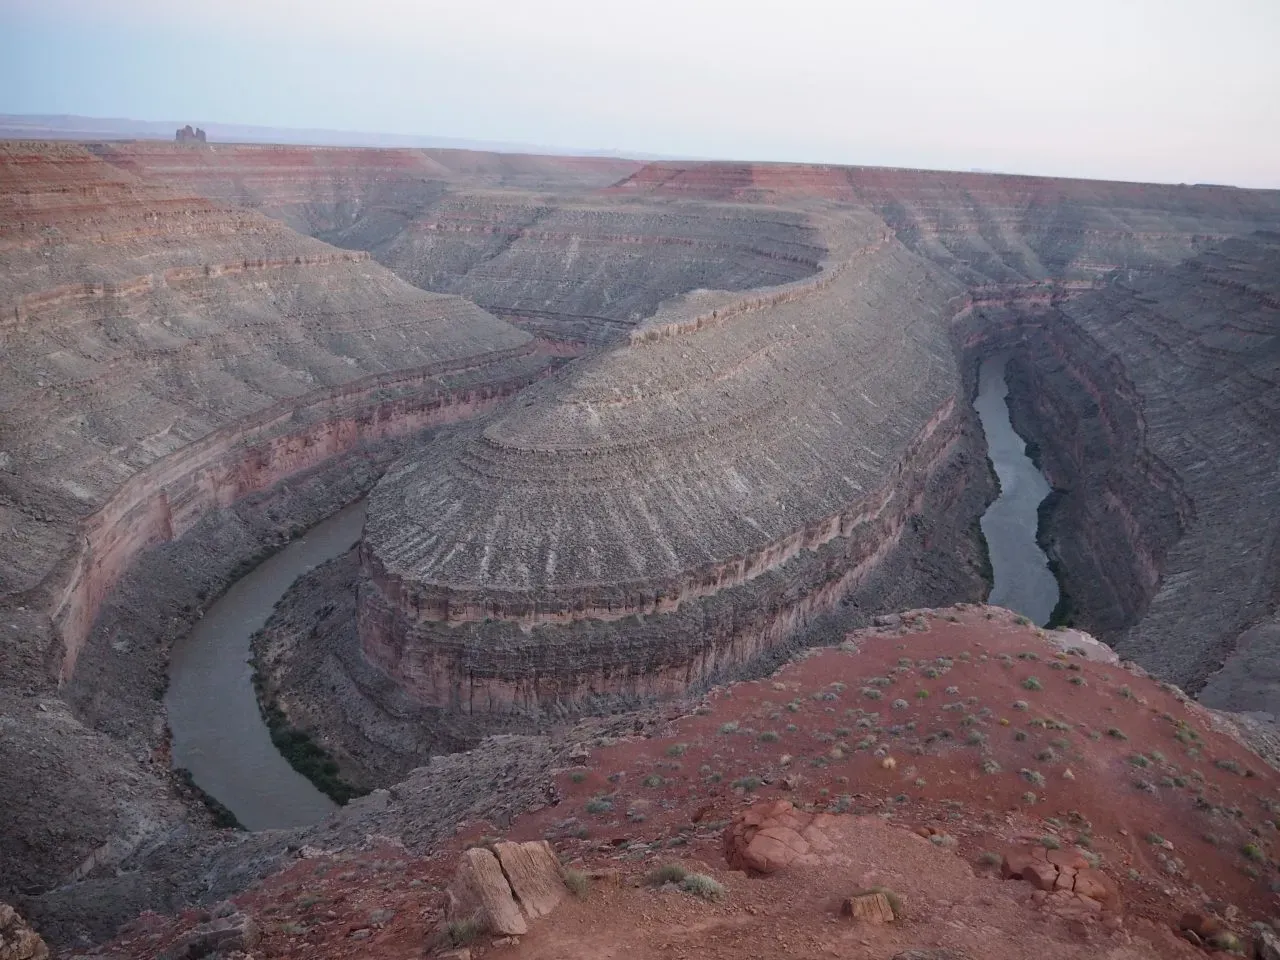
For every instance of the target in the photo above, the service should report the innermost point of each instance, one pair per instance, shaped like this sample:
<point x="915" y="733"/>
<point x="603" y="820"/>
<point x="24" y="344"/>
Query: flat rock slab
<point x="868" y="908"/>
<point x="480" y="889"/>
<point x="533" y="872"/>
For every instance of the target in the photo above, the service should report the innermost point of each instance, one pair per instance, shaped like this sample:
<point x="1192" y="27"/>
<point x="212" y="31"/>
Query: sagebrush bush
<point x="579" y="883"/>
<point x="700" y="885"/>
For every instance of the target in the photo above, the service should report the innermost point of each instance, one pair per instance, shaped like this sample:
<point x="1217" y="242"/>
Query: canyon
<point x="626" y="432"/>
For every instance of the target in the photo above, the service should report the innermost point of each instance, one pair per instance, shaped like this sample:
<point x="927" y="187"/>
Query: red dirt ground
<point x="1178" y="813"/>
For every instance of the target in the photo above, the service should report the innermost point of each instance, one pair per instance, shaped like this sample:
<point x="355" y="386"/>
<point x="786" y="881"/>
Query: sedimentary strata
<point x="771" y="431"/>
<point x="676" y="470"/>
<point x="1156" y="406"/>
<point x="166" y="356"/>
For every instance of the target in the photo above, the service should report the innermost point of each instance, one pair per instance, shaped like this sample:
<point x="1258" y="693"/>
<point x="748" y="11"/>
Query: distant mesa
<point x="188" y="135"/>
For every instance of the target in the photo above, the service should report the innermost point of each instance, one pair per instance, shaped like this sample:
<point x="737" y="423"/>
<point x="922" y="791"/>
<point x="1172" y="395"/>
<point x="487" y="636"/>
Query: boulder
<point x="17" y="940"/>
<point x="1266" y="946"/>
<point x="235" y="931"/>
<point x="480" y="890"/>
<point x="533" y="871"/>
<point x="1203" y="925"/>
<point x="769" y="837"/>
<point x="868" y="908"/>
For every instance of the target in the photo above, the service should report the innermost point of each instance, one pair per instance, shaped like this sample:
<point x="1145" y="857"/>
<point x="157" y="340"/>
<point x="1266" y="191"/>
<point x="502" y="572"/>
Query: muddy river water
<point x="218" y="732"/>
<point x="1021" y="575"/>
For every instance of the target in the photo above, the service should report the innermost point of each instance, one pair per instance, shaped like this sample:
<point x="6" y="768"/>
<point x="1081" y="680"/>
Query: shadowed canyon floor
<point x="627" y="432"/>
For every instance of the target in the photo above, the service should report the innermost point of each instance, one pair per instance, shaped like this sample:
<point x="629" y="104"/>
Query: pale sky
<point x="1167" y="90"/>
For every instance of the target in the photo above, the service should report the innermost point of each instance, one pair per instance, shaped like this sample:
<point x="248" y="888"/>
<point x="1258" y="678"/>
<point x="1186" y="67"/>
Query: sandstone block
<point x="17" y="940"/>
<point x="1266" y="946"/>
<point x="868" y="908"/>
<point x="1015" y="864"/>
<point x="768" y="838"/>
<point x="1067" y="859"/>
<point x="480" y="889"/>
<point x="1096" y="885"/>
<point x="236" y="931"/>
<point x="1041" y="875"/>
<point x="533" y="872"/>
<point x="1203" y="925"/>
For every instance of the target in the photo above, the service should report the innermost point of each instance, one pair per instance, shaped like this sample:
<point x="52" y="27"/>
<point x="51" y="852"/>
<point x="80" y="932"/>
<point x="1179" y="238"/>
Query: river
<point x="1022" y="579"/>
<point x="218" y="731"/>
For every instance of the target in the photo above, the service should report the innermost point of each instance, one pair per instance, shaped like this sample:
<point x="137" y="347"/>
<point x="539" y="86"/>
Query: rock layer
<point x="166" y="355"/>
<point x="661" y="474"/>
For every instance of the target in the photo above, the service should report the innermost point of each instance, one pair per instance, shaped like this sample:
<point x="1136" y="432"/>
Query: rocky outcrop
<point x="188" y="135"/>
<point x="773" y="836"/>
<point x="480" y="894"/>
<point x="667" y="480"/>
<point x="502" y="890"/>
<point x="17" y="940"/>
<point x="166" y="357"/>
<point x="223" y="367"/>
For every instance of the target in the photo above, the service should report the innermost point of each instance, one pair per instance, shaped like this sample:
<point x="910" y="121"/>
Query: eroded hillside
<point x="631" y="431"/>
<point x="930" y="757"/>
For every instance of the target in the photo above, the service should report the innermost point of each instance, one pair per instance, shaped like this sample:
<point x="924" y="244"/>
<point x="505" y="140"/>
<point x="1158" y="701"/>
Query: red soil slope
<point x="965" y="725"/>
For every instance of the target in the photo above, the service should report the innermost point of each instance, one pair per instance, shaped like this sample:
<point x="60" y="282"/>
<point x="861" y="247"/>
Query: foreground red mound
<point x="1000" y="797"/>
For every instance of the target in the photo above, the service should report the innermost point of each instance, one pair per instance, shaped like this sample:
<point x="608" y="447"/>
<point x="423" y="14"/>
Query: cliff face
<point x="1155" y="406"/>
<point x="530" y="239"/>
<point x="165" y="355"/>
<point x="696" y="477"/>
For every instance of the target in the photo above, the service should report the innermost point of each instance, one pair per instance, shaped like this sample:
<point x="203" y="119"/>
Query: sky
<point x="1163" y="90"/>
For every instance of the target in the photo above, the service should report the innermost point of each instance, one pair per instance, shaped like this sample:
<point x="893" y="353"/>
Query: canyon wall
<point x="681" y="478"/>
<point x="770" y="433"/>
<point x="531" y="239"/>
<point x="1155" y="405"/>
<point x="165" y="355"/>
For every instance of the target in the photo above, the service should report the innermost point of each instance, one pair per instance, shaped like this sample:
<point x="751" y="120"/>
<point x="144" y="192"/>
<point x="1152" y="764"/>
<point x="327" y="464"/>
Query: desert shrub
<point x="667" y="873"/>
<point x="459" y="933"/>
<point x="579" y="883"/>
<point x="599" y="805"/>
<point x="1032" y="683"/>
<point x="677" y="749"/>
<point x="769" y="736"/>
<point x="700" y="885"/>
